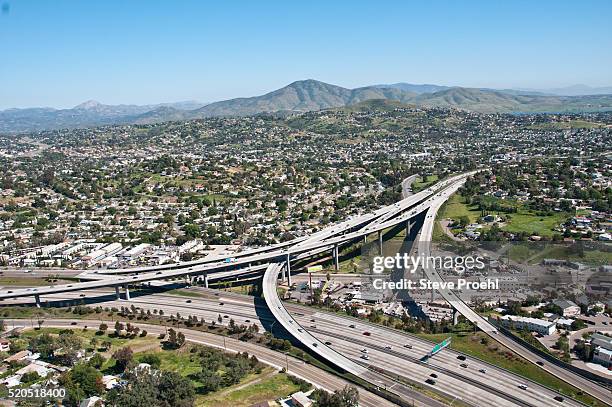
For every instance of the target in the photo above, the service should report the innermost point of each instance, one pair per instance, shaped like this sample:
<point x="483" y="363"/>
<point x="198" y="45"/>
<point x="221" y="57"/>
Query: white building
<point x="540" y="326"/>
<point x="602" y="357"/>
<point x="570" y="309"/>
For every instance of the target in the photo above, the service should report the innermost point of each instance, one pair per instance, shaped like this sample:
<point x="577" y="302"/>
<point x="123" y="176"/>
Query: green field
<point x="256" y="388"/>
<point x="419" y="185"/>
<point x="593" y="257"/>
<point x="490" y="351"/>
<point x="178" y="361"/>
<point x="527" y="221"/>
<point x="456" y="207"/>
<point x="522" y="221"/>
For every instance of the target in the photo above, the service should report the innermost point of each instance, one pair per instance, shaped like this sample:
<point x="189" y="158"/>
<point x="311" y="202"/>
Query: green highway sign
<point x="439" y="346"/>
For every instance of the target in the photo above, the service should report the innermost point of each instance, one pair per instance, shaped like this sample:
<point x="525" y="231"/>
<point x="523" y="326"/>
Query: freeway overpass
<point x="424" y="248"/>
<point x="327" y="239"/>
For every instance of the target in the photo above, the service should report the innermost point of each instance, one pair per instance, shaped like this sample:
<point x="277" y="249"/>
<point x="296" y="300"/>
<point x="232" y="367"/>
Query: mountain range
<point x="309" y="95"/>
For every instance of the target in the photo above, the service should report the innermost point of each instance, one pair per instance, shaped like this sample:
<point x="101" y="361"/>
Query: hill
<point x="303" y="96"/>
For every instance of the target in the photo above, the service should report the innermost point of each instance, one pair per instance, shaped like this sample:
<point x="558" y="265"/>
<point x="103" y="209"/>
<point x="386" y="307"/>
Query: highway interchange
<point x="477" y="384"/>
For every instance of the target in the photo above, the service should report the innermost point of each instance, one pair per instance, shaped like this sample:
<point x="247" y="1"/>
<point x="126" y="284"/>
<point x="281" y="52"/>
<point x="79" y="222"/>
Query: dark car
<point x="435" y="376"/>
<point x="461" y="357"/>
<point x="430" y="381"/>
<point x="188" y="301"/>
<point x="328" y="343"/>
<point x="559" y="399"/>
<point x="464" y="365"/>
<point x="351" y="326"/>
<point x="366" y="333"/>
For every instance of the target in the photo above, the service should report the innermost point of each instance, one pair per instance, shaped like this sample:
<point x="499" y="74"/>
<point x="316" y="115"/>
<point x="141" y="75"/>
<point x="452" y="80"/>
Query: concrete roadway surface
<point x="322" y="240"/>
<point x="493" y="387"/>
<point x="278" y="360"/>
<point x="424" y="248"/>
<point x="315" y="345"/>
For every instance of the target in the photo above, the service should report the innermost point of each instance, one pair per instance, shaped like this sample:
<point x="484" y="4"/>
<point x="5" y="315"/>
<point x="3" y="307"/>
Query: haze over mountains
<point x="308" y="95"/>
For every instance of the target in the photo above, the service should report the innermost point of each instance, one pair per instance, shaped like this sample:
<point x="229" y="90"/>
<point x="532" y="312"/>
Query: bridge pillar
<point x="288" y="270"/>
<point x="37" y="299"/>
<point x="408" y="227"/>
<point x="206" y="281"/>
<point x="380" y="241"/>
<point x="455" y="316"/>
<point x="127" y="292"/>
<point x="336" y="256"/>
<point x="365" y="239"/>
<point x="117" y="295"/>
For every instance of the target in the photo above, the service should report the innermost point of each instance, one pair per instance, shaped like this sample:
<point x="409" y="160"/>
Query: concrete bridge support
<point x="37" y="299"/>
<point x="455" y="316"/>
<point x="127" y="292"/>
<point x="117" y="294"/>
<point x="409" y="226"/>
<point x="380" y="243"/>
<point x="288" y="269"/>
<point x="336" y="255"/>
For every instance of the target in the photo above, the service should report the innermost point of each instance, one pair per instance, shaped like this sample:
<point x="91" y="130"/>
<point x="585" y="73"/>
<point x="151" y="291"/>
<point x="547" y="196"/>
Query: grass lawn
<point x="178" y="361"/>
<point x="117" y="342"/>
<point x="419" y="185"/>
<point x="254" y="389"/>
<point x="185" y="293"/>
<point x="456" y="207"/>
<point x="522" y="221"/>
<point x="593" y="257"/>
<point x="492" y="352"/>
<point x="526" y="221"/>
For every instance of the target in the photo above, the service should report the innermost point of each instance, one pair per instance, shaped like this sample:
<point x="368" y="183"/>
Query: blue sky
<point x="60" y="53"/>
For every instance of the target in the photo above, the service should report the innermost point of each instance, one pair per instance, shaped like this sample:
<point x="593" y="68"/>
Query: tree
<point x="103" y="327"/>
<point x="175" y="390"/>
<point x="347" y="397"/>
<point x="80" y="382"/>
<point x="164" y="389"/>
<point x="210" y="380"/>
<point x="43" y="344"/>
<point x="96" y="361"/>
<point x="192" y="231"/>
<point x="68" y="347"/>
<point x="123" y="357"/>
<point x="118" y="328"/>
<point x="107" y="344"/>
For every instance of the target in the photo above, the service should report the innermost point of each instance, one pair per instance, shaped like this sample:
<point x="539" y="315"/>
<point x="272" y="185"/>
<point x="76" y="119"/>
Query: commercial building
<point x="602" y="357"/>
<point x="570" y="309"/>
<point x="540" y="326"/>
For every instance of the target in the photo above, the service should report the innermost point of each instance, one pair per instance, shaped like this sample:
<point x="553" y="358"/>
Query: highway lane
<point x="424" y="248"/>
<point x="278" y="360"/>
<point x="271" y="253"/>
<point x="243" y="310"/>
<point x="448" y="385"/>
<point x="309" y="247"/>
